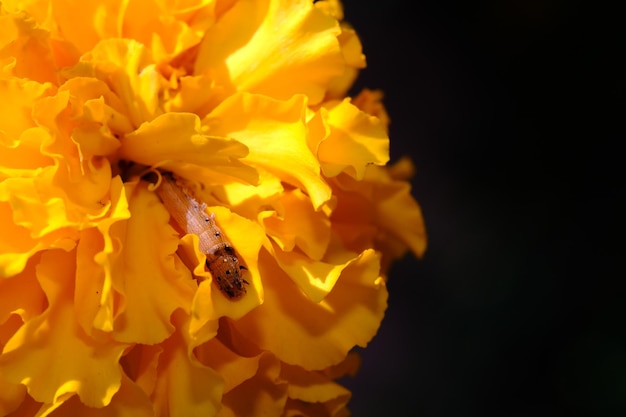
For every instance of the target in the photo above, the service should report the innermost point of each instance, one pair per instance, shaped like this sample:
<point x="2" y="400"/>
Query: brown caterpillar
<point x="191" y="216"/>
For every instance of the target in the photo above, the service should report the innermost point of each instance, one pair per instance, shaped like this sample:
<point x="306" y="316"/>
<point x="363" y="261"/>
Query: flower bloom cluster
<point x="106" y="307"/>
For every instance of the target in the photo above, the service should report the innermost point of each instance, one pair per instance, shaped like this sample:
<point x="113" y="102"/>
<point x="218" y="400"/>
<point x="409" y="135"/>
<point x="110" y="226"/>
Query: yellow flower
<point x="106" y="304"/>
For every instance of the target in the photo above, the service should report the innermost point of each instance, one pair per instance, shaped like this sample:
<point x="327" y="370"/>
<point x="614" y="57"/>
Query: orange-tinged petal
<point x="168" y="27"/>
<point x="315" y="278"/>
<point x="263" y="395"/>
<point x="299" y="225"/>
<point x="371" y="102"/>
<point x="150" y="286"/>
<point x="251" y="200"/>
<point x="356" y="140"/>
<point x="176" y="140"/>
<point x="21" y="295"/>
<point x="141" y="365"/>
<point x="30" y="46"/>
<point x="16" y="244"/>
<point x="233" y="368"/>
<point x="275" y="132"/>
<point x="185" y="387"/>
<point x="317" y="335"/>
<point x="11" y="396"/>
<point x="126" y="67"/>
<point x="315" y="387"/>
<point x="397" y="212"/>
<point x="18" y="98"/>
<point x="51" y="355"/>
<point x="22" y="157"/>
<point x="128" y="401"/>
<point x="273" y="47"/>
<point x="85" y="23"/>
<point x="355" y="60"/>
<point x="97" y="249"/>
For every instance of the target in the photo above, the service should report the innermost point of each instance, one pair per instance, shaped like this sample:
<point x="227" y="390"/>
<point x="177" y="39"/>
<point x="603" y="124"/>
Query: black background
<point x="513" y="113"/>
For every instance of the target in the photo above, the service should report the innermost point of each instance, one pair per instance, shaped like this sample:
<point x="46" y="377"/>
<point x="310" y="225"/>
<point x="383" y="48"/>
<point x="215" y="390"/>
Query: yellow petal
<point x="21" y="295"/>
<point x="96" y="252"/>
<point x="176" y="140"/>
<point x="51" y="355"/>
<point x="151" y="288"/>
<point x="298" y="224"/>
<point x="317" y="335"/>
<point x="140" y="364"/>
<point x="233" y="368"/>
<point x="356" y="140"/>
<point x="11" y="396"/>
<point x="167" y="27"/>
<point x="18" y="98"/>
<point x="371" y="102"/>
<point x="315" y="389"/>
<point x="352" y="52"/>
<point x="262" y="395"/>
<point x="274" y="47"/>
<point x="185" y="387"/>
<point x="125" y="66"/>
<point x="30" y="47"/>
<point x="315" y="278"/>
<point x="275" y="134"/>
<point x="397" y="211"/>
<point x="85" y="23"/>
<point x="128" y="401"/>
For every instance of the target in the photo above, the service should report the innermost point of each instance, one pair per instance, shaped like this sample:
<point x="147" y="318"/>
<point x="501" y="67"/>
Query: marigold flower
<point x="106" y="304"/>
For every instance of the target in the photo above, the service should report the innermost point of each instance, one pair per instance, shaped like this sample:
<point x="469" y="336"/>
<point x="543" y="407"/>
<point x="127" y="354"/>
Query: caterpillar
<point x="191" y="216"/>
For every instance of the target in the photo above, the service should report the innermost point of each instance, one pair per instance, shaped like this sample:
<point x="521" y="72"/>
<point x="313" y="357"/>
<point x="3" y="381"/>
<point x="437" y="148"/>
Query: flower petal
<point x="18" y="98"/>
<point x="150" y="286"/>
<point x="317" y="335"/>
<point x="184" y="386"/>
<point x="128" y="401"/>
<point x="273" y="47"/>
<point x="85" y="23"/>
<point x="299" y="225"/>
<point x="51" y="355"/>
<point x="233" y="368"/>
<point x="264" y="394"/>
<point x="315" y="390"/>
<point x="128" y="70"/>
<point x="30" y="47"/>
<point x="275" y="133"/>
<point x="97" y="249"/>
<point x="175" y="140"/>
<point x="356" y="140"/>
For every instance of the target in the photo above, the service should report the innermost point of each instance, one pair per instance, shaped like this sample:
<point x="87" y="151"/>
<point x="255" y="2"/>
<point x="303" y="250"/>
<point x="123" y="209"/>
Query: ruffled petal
<point x="18" y="98"/>
<point x="264" y="394"/>
<point x="275" y="133"/>
<point x="129" y="71"/>
<point x="128" y="401"/>
<point x="176" y="140"/>
<point x="273" y="47"/>
<point x="150" y="286"/>
<point x="184" y="386"/>
<point x="313" y="393"/>
<point x="30" y="47"/>
<point x="50" y="353"/>
<point x="299" y="225"/>
<point x="85" y="23"/>
<point x="355" y="141"/>
<point x="97" y="250"/>
<point x="317" y="335"/>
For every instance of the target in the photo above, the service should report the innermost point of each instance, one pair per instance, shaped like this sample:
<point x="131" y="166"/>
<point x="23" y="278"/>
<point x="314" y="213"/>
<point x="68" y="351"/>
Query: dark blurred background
<point x="513" y="112"/>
